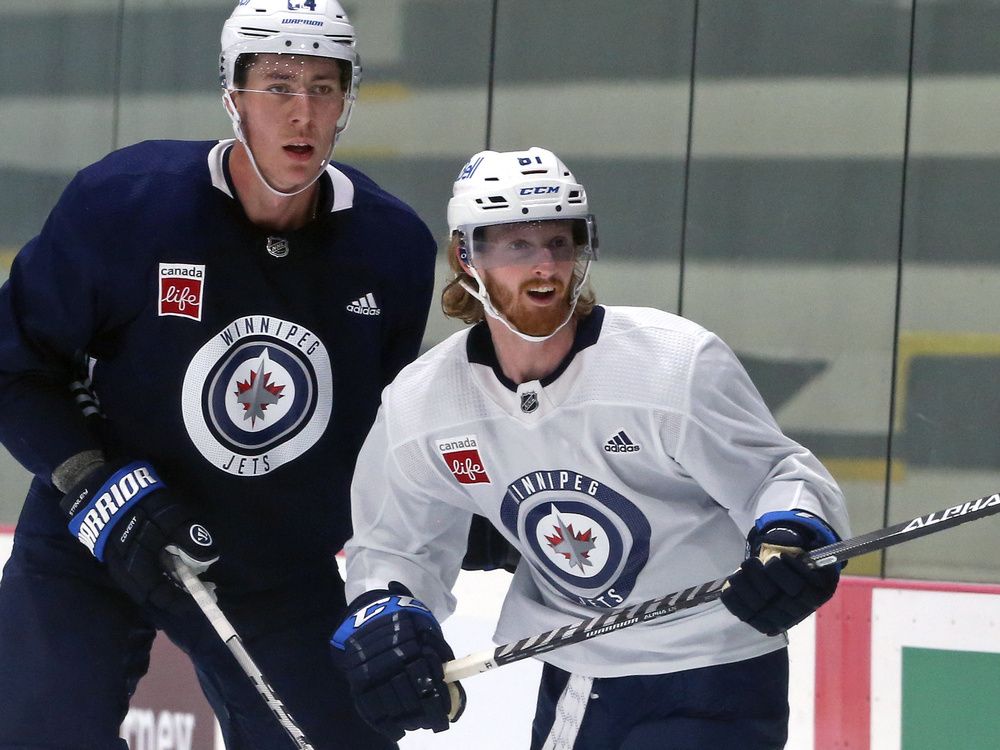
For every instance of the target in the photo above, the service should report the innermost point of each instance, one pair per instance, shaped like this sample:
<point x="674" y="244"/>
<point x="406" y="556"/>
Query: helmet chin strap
<point x="234" y="116"/>
<point x="483" y="296"/>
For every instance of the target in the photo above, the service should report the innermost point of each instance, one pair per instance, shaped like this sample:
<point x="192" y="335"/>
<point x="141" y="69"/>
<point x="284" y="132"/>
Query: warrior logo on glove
<point x="125" y="515"/>
<point x="119" y="493"/>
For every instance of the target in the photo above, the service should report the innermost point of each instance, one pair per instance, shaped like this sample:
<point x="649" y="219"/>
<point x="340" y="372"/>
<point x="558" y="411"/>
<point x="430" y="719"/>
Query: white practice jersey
<point x="634" y="472"/>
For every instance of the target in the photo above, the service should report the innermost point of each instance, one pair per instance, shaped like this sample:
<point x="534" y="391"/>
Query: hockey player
<point x="237" y="307"/>
<point x="623" y="451"/>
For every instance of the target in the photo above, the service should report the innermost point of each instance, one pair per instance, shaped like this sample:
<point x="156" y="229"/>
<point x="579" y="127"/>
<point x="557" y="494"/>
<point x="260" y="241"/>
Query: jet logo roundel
<point x="587" y="540"/>
<point x="257" y="395"/>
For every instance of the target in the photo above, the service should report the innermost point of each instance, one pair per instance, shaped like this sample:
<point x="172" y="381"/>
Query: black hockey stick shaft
<point x="206" y="602"/>
<point x="931" y="523"/>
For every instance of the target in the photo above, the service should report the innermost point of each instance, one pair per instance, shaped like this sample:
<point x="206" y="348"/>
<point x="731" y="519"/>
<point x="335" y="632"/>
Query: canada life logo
<point x="181" y="288"/>
<point x="461" y="456"/>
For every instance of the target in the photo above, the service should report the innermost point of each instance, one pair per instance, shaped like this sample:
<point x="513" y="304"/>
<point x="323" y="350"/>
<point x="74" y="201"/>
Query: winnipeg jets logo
<point x="261" y="392"/>
<point x="582" y="553"/>
<point x="574" y="546"/>
<point x="587" y="540"/>
<point x="256" y="394"/>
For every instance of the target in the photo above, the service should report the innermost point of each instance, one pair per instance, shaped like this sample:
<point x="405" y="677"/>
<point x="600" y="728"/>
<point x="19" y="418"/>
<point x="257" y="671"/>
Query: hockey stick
<point x="483" y="661"/>
<point x="206" y="602"/>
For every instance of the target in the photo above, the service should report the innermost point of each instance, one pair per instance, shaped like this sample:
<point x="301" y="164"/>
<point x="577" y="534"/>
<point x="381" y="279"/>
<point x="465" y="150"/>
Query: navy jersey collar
<point x="479" y="347"/>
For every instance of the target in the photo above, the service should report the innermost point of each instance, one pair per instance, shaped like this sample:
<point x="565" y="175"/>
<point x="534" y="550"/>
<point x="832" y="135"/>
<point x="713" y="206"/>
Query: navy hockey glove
<point x="392" y="651"/>
<point x="488" y="549"/>
<point x="125" y="516"/>
<point x="773" y="596"/>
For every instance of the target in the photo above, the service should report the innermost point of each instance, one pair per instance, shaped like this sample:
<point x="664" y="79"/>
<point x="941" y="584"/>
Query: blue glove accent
<point x="384" y="606"/>
<point x="802" y="529"/>
<point x="93" y="523"/>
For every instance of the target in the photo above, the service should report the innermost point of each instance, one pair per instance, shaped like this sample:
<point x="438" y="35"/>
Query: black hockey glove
<point x="488" y="549"/>
<point x="391" y="649"/>
<point x="125" y="516"/>
<point x="773" y="596"/>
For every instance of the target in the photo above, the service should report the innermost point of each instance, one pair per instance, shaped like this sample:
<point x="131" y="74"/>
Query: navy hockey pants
<point x="738" y="706"/>
<point x="72" y="649"/>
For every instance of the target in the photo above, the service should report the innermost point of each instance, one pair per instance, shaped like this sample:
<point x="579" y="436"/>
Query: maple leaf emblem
<point x="574" y="546"/>
<point x="257" y="393"/>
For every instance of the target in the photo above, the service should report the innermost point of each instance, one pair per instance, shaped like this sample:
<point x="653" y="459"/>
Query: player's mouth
<point x="543" y="294"/>
<point x="299" y="151"/>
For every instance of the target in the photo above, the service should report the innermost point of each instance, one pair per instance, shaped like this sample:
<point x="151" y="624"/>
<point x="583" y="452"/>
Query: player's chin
<point x="540" y="321"/>
<point x="293" y="180"/>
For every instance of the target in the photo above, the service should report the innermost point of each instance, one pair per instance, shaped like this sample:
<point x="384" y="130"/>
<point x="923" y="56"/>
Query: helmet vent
<point x="256" y="33"/>
<point x="535" y="171"/>
<point x="495" y="201"/>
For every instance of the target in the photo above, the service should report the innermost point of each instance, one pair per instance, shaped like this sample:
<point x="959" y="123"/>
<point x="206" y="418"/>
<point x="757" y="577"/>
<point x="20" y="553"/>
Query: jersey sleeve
<point x="403" y="529"/>
<point x="414" y="281"/>
<point x="49" y="309"/>
<point x="732" y="446"/>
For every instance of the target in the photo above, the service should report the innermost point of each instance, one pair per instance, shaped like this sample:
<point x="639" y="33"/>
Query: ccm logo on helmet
<point x="539" y="190"/>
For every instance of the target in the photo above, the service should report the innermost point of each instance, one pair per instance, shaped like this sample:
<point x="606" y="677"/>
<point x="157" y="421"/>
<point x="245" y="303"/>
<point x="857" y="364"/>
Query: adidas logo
<point x="365" y="306"/>
<point x="621" y="443"/>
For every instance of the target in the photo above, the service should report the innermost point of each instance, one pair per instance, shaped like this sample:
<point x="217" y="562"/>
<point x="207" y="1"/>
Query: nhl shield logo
<point x="529" y="401"/>
<point x="277" y="246"/>
<point x="181" y="286"/>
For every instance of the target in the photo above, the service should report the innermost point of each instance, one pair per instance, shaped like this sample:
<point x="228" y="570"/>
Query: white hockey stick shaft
<point x="484" y="661"/>
<point x="206" y="602"/>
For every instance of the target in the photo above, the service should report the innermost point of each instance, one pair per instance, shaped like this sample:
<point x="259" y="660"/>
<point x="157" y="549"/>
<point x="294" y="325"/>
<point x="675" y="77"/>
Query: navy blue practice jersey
<point x="245" y="365"/>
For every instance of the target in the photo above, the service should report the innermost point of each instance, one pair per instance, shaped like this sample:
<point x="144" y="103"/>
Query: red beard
<point x="529" y="319"/>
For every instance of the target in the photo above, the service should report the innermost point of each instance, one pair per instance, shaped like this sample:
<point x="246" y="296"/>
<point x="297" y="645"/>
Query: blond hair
<point x="456" y="302"/>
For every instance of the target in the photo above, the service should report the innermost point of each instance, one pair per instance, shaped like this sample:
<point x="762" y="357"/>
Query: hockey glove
<point x="392" y="651"/>
<point x="773" y="596"/>
<point x="488" y="549"/>
<point x="125" y="516"/>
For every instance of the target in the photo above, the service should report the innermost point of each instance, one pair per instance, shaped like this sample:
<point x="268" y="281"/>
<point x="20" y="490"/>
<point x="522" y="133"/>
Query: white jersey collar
<point x="343" y="188"/>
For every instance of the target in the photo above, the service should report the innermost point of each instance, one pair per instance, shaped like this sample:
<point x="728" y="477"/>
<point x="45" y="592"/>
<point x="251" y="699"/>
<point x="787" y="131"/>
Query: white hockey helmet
<point x="319" y="28"/>
<point x="515" y="187"/>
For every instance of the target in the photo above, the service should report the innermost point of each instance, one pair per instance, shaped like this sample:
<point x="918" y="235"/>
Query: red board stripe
<point x="843" y="668"/>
